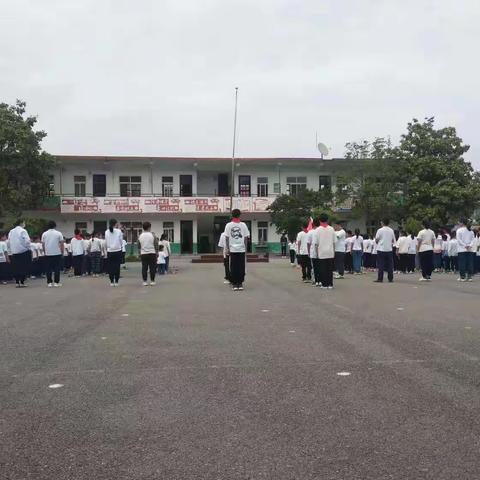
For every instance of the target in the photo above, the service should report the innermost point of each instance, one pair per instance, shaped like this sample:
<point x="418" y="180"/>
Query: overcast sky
<point x="157" y="77"/>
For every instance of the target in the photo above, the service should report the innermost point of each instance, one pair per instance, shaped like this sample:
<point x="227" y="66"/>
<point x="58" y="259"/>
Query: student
<point x="402" y="251"/>
<point x="445" y="258"/>
<point x="437" y="253"/>
<point x="357" y="252"/>
<point x="35" y="268"/>
<point x="283" y="245"/>
<point x="396" y="260"/>
<point x="4" y="260"/>
<point x="148" y="248"/>
<point x="374" y="255"/>
<point x="453" y="253"/>
<point x="87" y="260"/>
<point x="340" y="238"/>
<point x="103" y="262"/>
<point x="166" y="250"/>
<point x="465" y="240"/>
<point x="412" y="253"/>
<point x="222" y="243"/>
<point x="348" y="252"/>
<point x="325" y="239"/>
<point x="53" y="247"/>
<point x="292" y="247"/>
<point x="95" y="254"/>
<point x="367" y="252"/>
<point x="19" y="246"/>
<point x="476" y="252"/>
<point x="67" y="257"/>
<point x="303" y="253"/>
<point x="313" y="250"/>
<point x="77" y="246"/>
<point x="124" y="253"/>
<point x="236" y="236"/>
<point x="385" y="238"/>
<point x="425" y="244"/>
<point x="114" y="245"/>
<point x="162" y="260"/>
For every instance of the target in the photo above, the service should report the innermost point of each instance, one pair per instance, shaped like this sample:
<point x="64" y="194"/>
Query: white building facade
<point x="186" y="198"/>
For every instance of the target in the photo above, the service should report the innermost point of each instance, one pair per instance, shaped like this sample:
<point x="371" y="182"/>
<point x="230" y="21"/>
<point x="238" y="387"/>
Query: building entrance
<point x="186" y="236"/>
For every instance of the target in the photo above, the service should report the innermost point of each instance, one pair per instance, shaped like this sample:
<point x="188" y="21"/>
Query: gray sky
<point x="157" y="77"/>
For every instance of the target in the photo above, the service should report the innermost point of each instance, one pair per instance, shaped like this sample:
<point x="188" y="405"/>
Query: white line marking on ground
<point x="341" y="307"/>
<point x="265" y="311"/>
<point x="343" y="374"/>
<point x="125" y="314"/>
<point x="55" y="385"/>
<point x="291" y="331"/>
<point x="103" y="338"/>
<point x="400" y="308"/>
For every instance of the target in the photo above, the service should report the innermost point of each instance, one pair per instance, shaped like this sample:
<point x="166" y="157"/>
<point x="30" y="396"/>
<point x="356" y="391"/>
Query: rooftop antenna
<point x="323" y="149"/>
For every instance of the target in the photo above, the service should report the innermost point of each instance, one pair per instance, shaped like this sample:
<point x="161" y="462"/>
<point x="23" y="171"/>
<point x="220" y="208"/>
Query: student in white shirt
<point x="477" y="252"/>
<point x="340" y="247"/>
<point x="304" y="254"/>
<point x="425" y="243"/>
<point x="95" y="254"/>
<point x="236" y="236"/>
<point x="453" y="252"/>
<point x="313" y="250"/>
<point x="114" y="245"/>
<point x="35" y="268"/>
<point x="367" y="252"/>
<point x="292" y="247"/>
<point x="4" y="260"/>
<point x="53" y="247"/>
<point x="325" y="239"/>
<point x="402" y="251"/>
<point x="222" y="243"/>
<point x="385" y="239"/>
<point x="148" y="248"/>
<point x="167" y="251"/>
<point x="466" y="255"/>
<point x="445" y="257"/>
<point x="19" y="246"/>
<point x="124" y="253"/>
<point x="348" y="252"/>
<point x="437" y="253"/>
<point x="412" y="253"/>
<point x="77" y="246"/>
<point x="161" y="261"/>
<point x="357" y="252"/>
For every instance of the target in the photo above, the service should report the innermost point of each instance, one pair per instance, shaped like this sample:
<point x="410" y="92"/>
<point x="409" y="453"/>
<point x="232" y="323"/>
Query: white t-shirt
<point x="147" y="243"/>
<point x="236" y="232"/>
<point x="437" y="248"/>
<point x="426" y="237"/>
<point x="3" y="252"/>
<point x="367" y="245"/>
<point x="348" y="244"/>
<point x="312" y="239"/>
<point x="124" y="245"/>
<point x="302" y="241"/>
<point x="402" y="245"/>
<point x="465" y="239"/>
<point x="161" y="258"/>
<point x="166" y="247"/>
<point x="40" y="251"/>
<point x="34" y="250"/>
<point x="52" y="239"/>
<point x="95" y="245"/>
<point x="340" y="240"/>
<point x="412" y="245"/>
<point x="325" y="239"/>
<point x="18" y="240"/>
<point x="114" y="240"/>
<point x="357" y="242"/>
<point x="385" y="239"/>
<point x="453" y="248"/>
<point x="77" y="246"/>
<point x="292" y="246"/>
<point x="222" y="243"/>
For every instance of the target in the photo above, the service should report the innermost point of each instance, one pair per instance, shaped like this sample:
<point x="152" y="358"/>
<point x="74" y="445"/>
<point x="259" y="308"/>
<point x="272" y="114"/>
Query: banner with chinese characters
<point x="162" y="204"/>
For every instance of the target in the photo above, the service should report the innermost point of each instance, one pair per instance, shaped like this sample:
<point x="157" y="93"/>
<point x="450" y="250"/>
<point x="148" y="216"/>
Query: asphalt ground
<point x="189" y="380"/>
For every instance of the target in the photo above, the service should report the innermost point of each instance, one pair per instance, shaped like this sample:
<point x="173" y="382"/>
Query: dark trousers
<point x="454" y="263"/>
<point x="77" y="263"/>
<point x="349" y="262"/>
<point x="326" y="271"/>
<point x="114" y="260"/>
<point x="466" y="264"/>
<point x="316" y="270"/>
<point x="96" y="260"/>
<point x="403" y="261"/>
<point x="411" y="262"/>
<point x="426" y="263"/>
<point x="446" y="262"/>
<point x="149" y="262"/>
<point x="385" y="263"/>
<point x="21" y="266"/>
<point x="340" y="263"/>
<point x="306" y="265"/>
<point x="284" y="250"/>
<point x="437" y="261"/>
<point x="226" y="266"/>
<point x="292" y="256"/>
<point x="5" y="271"/>
<point x="53" y="263"/>
<point x="237" y="268"/>
<point x="162" y="268"/>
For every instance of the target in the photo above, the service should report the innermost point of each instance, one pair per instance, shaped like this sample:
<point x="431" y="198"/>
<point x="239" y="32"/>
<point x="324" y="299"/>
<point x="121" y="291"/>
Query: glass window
<point x="262" y="232"/>
<point x="130" y="186"/>
<point x="342" y="184"/>
<point x="244" y="185"/>
<point x="276" y="187"/>
<point x="79" y="183"/>
<point x="167" y="186"/>
<point x="295" y="185"/>
<point x="262" y="186"/>
<point x="131" y="231"/>
<point x="169" y="231"/>
<point x="325" y="182"/>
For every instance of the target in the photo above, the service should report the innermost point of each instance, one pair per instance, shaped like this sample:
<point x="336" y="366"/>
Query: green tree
<point x="24" y="167"/>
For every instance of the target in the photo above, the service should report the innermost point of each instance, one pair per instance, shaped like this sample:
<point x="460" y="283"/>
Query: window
<point x="100" y="226"/>
<point x="131" y="231"/>
<point x="244" y="185"/>
<point x="167" y="186"/>
<point x="276" y="187"/>
<point x="130" y="186"/>
<point x="169" y="231"/>
<point x="325" y="183"/>
<point x="51" y="186"/>
<point x="185" y="185"/>
<point x="295" y="185"/>
<point x="82" y="226"/>
<point x="262" y="232"/>
<point x="99" y="185"/>
<point x="79" y="181"/>
<point x="342" y="184"/>
<point x="262" y="186"/>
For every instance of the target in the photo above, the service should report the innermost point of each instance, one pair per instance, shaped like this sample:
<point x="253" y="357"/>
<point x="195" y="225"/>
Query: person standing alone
<point x="53" y="246"/>
<point x="324" y="242"/>
<point x="236" y="238"/>
<point x="19" y="246"/>
<point x="425" y="244"/>
<point x="385" y="239"/>
<point x="148" y="247"/>
<point x="114" y="245"/>
<point x="465" y="241"/>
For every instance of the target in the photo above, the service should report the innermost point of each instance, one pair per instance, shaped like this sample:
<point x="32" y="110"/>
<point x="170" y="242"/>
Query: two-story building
<point x="187" y="198"/>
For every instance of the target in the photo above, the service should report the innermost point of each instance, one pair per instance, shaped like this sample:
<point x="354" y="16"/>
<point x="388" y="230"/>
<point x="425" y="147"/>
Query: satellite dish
<point x="322" y="148"/>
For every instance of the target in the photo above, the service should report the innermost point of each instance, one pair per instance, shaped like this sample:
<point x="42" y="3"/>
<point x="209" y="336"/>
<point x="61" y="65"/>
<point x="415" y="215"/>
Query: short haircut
<point x="76" y="231"/>
<point x="316" y="221"/>
<point x="386" y="221"/>
<point x="236" y="213"/>
<point x="18" y="222"/>
<point x="147" y="225"/>
<point x="51" y="224"/>
<point x="305" y="223"/>
<point x="323" y="217"/>
<point x="426" y="223"/>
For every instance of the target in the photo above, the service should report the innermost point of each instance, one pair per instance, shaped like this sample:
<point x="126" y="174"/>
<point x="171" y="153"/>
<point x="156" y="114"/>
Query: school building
<point x="187" y="198"/>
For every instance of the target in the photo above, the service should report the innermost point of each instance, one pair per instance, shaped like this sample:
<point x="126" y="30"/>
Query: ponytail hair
<point x="357" y="232"/>
<point x="111" y="224"/>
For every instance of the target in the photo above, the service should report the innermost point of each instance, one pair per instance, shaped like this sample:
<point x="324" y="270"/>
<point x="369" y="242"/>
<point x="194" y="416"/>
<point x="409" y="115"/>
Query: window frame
<point x="169" y="230"/>
<point x="130" y="185"/>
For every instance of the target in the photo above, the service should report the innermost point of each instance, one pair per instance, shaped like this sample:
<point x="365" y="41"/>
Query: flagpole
<point x="232" y="187"/>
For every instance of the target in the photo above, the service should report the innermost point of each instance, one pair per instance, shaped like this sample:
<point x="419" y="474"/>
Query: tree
<point x="24" y="167"/>
<point x="288" y="212"/>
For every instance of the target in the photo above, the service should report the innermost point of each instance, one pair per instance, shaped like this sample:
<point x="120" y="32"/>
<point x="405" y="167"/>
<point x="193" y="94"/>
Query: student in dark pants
<point x="226" y="258"/>
<point x="303" y="254"/>
<point x="21" y="256"/>
<point x="53" y="245"/>
<point x="385" y="239"/>
<point x="114" y="246"/>
<point x="283" y="245"/>
<point x="148" y="248"/>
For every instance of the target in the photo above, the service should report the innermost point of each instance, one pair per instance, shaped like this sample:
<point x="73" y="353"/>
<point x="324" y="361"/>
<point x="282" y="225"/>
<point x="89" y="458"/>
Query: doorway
<point x="99" y="185"/>
<point x="223" y="189"/>
<point x="186" y="185"/>
<point x="186" y="236"/>
<point x="244" y="185"/>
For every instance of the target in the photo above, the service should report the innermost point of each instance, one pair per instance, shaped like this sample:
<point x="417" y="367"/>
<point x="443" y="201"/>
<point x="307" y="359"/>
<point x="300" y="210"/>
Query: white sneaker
<point x="50" y="285"/>
<point x="57" y="284"/>
<point x="330" y="287"/>
<point x="112" y="284"/>
<point x="421" y="279"/>
<point x="145" y="284"/>
<point x="240" y="288"/>
<point x="470" y="280"/>
<point x="152" y="284"/>
<point x="226" y="282"/>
